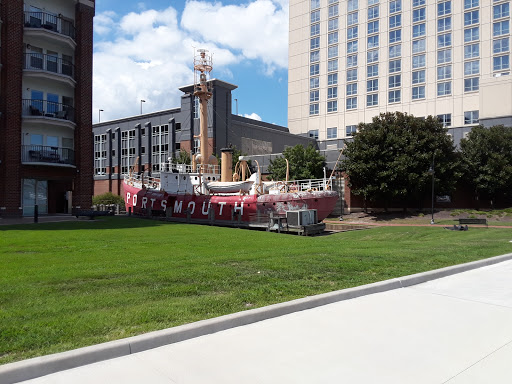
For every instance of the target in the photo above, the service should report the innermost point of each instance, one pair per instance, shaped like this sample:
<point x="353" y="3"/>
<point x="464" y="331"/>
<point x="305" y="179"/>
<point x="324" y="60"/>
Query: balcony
<point x="51" y="25"/>
<point x="48" y="155"/>
<point x="48" y="109"/>
<point x="49" y="66"/>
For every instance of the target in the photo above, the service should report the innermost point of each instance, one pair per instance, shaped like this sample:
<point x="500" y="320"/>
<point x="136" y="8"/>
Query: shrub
<point x="107" y="199"/>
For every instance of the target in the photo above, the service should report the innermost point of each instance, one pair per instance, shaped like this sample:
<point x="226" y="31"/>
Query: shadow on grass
<point x="98" y="223"/>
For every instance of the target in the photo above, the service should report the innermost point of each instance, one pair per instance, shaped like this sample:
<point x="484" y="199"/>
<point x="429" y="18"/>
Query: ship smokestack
<point x="227" y="161"/>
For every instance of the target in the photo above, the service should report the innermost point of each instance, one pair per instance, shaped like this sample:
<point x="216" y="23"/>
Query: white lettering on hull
<point x="207" y="209"/>
<point x="144" y="201"/>
<point x="221" y="205"/>
<point x="163" y="203"/>
<point x="240" y="208"/>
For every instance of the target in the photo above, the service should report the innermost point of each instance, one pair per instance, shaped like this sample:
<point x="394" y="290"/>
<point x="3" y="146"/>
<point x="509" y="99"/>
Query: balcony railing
<point x="49" y="63"/>
<point x="50" y="22"/>
<point x="45" y="154"/>
<point x="47" y="108"/>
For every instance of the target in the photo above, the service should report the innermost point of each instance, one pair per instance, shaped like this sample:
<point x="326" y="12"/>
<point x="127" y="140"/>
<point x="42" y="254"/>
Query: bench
<point x="90" y="213"/>
<point x="473" y="221"/>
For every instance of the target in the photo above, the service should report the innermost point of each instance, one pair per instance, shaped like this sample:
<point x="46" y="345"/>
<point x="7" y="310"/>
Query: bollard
<point x="36" y="213"/>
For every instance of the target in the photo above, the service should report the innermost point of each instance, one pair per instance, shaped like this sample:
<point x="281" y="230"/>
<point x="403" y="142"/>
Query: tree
<point x="305" y="163"/>
<point x="389" y="159"/>
<point x="108" y="198"/>
<point x="183" y="158"/>
<point x="487" y="161"/>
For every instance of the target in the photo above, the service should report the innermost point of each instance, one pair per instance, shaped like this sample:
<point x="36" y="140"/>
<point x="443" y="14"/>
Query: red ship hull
<point x="250" y="208"/>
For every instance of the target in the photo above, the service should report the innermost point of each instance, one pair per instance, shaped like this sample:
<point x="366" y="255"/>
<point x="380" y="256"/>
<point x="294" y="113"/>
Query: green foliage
<point x="390" y="157"/>
<point x="487" y="161"/>
<point x="305" y="163"/>
<point x="183" y="158"/>
<point x="107" y="199"/>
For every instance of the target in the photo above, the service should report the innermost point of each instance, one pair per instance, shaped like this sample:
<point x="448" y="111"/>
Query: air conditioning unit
<point x="301" y="217"/>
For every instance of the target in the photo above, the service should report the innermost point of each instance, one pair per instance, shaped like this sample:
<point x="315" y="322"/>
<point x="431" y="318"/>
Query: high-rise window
<point x="470" y="3"/>
<point x="395" y="81"/>
<point x="444" y="40"/>
<point x="445" y="119"/>
<point x="314" y="43"/>
<point x="395" y="21"/>
<point x="419" y="15"/>
<point x="471" y="117"/>
<point x="444" y="56"/>
<point x="352" y="75"/>
<point x="332" y="92"/>
<point x="444" y="8"/>
<point x="419" y="45"/>
<point x="372" y="85"/>
<point x="471" y="34"/>
<point x="315" y="4"/>
<point x="372" y="99"/>
<point x="332" y="51"/>
<point x="419" y="30"/>
<point x="395" y="66"/>
<point x="372" y="70"/>
<point x="471" y="84"/>
<point x="394" y="96"/>
<point x="418" y="61"/>
<point x="395" y="36"/>
<point x="315" y="17"/>
<point x="373" y="41"/>
<point x="372" y="56"/>
<point x="315" y="30"/>
<point x="501" y="28"/>
<point x="418" y="92"/>
<point x="444" y="24"/>
<point x="395" y="6"/>
<point x="501" y="45"/>
<point x="332" y="38"/>
<point x="332" y="24"/>
<point x="314" y="56"/>
<point x="314" y="95"/>
<point x="472" y="50"/>
<point x="351" y="89"/>
<point x="160" y="146"/>
<point x="314" y="82"/>
<point x="444" y="89"/>
<point x="417" y="3"/>
<point x="332" y="106"/>
<point x="127" y="150"/>
<point x="395" y="51"/>
<point x="314" y="69"/>
<point x="352" y="46"/>
<point x="352" y="5"/>
<point x="332" y="79"/>
<point x="352" y="18"/>
<point x="373" y="27"/>
<point x="332" y="65"/>
<point x="418" y="77"/>
<point x="352" y="33"/>
<point x="100" y="154"/>
<point x="352" y="103"/>
<point x="333" y="10"/>
<point x="373" y="12"/>
<point x="444" y="72"/>
<point x="332" y="133"/>
<point x="501" y="62"/>
<point x="501" y="10"/>
<point x="313" y="133"/>
<point x="471" y="17"/>
<point x="351" y="130"/>
<point x="313" y="109"/>
<point x="352" y="61"/>
<point x="471" y="68"/>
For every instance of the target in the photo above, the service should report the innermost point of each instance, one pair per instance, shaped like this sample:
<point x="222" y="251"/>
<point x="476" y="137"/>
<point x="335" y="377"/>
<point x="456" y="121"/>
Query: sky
<point x="143" y="50"/>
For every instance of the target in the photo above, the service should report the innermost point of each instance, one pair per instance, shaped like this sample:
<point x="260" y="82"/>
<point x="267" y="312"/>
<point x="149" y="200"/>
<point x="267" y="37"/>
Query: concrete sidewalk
<point x="457" y="329"/>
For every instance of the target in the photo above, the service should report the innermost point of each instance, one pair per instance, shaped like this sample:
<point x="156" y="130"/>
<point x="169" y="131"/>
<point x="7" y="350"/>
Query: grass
<point x="68" y="285"/>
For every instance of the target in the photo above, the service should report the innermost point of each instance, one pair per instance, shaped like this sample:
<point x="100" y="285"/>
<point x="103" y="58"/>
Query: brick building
<point x="46" y="106"/>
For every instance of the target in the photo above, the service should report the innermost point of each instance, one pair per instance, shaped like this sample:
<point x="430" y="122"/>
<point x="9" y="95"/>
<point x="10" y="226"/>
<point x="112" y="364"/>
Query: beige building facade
<point x="351" y="60"/>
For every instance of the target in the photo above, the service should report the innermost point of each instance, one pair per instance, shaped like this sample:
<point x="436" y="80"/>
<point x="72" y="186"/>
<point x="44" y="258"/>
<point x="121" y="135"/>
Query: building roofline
<point x="222" y="83"/>
<point x="137" y="117"/>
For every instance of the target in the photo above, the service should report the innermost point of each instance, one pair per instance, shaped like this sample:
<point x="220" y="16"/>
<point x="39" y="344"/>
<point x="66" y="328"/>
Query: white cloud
<point x="253" y="116"/>
<point x="148" y="55"/>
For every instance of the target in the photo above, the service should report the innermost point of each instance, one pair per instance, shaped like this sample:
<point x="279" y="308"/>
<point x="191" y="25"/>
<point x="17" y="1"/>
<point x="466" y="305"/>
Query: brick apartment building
<point x="46" y="141"/>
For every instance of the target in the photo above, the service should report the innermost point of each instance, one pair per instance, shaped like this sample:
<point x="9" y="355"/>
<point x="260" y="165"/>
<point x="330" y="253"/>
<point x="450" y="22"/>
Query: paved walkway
<point x="456" y="329"/>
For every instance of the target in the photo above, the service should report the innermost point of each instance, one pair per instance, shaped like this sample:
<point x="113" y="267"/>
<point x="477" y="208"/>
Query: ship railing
<point x="140" y="181"/>
<point x="187" y="168"/>
<point x="307" y="185"/>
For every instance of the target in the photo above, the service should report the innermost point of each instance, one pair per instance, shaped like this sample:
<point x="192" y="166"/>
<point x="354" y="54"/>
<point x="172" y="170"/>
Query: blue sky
<point x="144" y="50"/>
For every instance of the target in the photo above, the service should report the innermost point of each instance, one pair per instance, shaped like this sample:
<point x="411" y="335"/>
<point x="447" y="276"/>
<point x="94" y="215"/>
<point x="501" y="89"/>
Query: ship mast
<point x="203" y="91"/>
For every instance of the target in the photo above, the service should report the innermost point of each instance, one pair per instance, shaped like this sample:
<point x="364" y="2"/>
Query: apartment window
<point x="352" y="18"/>
<point x="314" y="56"/>
<point x="352" y="46"/>
<point x="314" y="30"/>
<point x="444" y="8"/>
<point x="351" y="61"/>
<point x="350" y="130"/>
<point x="472" y="50"/>
<point x="352" y="5"/>
<point x="332" y="38"/>
<point x="315" y="17"/>
<point x="372" y="70"/>
<point x="471" y="18"/>
<point x="160" y="146"/>
<point x="419" y="45"/>
<point x="314" y="69"/>
<point x="471" y="34"/>
<point x="100" y="154"/>
<point x="372" y="2"/>
<point x="418" y="14"/>
<point x="314" y="95"/>
<point x="332" y="65"/>
<point x="332" y="106"/>
<point x="313" y="133"/>
<point x="444" y="72"/>
<point x="472" y="84"/>
<point x="314" y="82"/>
<point x="315" y="43"/>
<point x="127" y="150"/>
<point x="417" y="3"/>
<point x="372" y="85"/>
<point x="373" y="27"/>
<point x="395" y="36"/>
<point x="444" y="40"/>
<point x="471" y="68"/>
<point x="395" y="21"/>
<point x="315" y="4"/>
<point x="373" y="41"/>
<point x="332" y="79"/>
<point x="352" y="33"/>
<point x="196" y="108"/>
<point x="395" y="81"/>
<point x="418" y="77"/>
<point x="352" y="103"/>
<point x="395" y="51"/>
<point x="313" y="109"/>
<point x="501" y="10"/>
<point x="332" y="51"/>
<point x="501" y="45"/>
<point x="395" y="6"/>
<point x="351" y="89"/>
<point x="418" y="92"/>
<point x="332" y="92"/>
<point x="445" y="119"/>
<point x="332" y="24"/>
<point x="471" y="117"/>
<point x="444" y="56"/>
<point x="372" y="100"/>
<point x="373" y="12"/>
<point x="444" y="89"/>
<point x="470" y="3"/>
<point x="332" y="133"/>
<point x="500" y="62"/>
<point x="395" y="66"/>
<point x="372" y="56"/>
<point x="333" y="10"/>
<point x="352" y="75"/>
<point x="394" y="96"/>
<point x="500" y="28"/>
<point x="444" y="24"/>
<point x="418" y="61"/>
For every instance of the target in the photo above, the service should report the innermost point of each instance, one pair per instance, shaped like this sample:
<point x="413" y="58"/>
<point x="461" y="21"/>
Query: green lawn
<point x="68" y="285"/>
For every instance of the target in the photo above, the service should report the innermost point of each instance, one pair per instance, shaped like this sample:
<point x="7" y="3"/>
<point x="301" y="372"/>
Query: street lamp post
<point x="142" y="101"/>
<point x="236" y="103"/>
<point x="99" y="115"/>
<point x="432" y="171"/>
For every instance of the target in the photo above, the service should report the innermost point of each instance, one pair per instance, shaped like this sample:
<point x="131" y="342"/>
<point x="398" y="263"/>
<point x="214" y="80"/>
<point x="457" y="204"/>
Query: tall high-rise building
<point x="46" y="147"/>
<point x="350" y="60"/>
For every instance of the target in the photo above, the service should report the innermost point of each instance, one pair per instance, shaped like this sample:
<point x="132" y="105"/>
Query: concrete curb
<point x="45" y="365"/>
